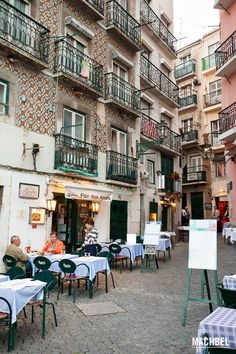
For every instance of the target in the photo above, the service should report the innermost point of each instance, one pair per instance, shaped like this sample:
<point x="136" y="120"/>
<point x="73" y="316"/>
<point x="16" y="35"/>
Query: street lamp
<point x="210" y="154"/>
<point x="51" y="206"/>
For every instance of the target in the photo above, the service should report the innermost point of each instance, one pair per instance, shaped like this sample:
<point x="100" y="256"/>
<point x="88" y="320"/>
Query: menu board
<point x="152" y="232"/>
<point x="202" y="244"/>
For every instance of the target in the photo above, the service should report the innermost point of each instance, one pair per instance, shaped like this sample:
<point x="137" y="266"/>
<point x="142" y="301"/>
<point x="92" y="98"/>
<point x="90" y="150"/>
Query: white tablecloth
<point x="18" y="293"/>
<point x="136" y="250"/>
<point x="221" y="325"/>
<point x="95" y="265"/>
<point x="164" y="244"/>
<point x="52" y="258"/>
<point x="4" y="278"/>
<point x="229" y="282"/>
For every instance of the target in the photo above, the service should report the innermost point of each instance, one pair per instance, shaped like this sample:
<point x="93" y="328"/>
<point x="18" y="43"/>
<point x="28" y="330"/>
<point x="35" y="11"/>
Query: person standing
<point x="16" y="252"/>
<point x="91" y="236"/>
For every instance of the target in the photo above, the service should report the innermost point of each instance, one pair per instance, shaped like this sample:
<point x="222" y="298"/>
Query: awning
<point x="88" y="192"/>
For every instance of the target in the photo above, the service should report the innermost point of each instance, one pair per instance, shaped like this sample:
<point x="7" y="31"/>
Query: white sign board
<point x="152" y="232"/>
<point x="202" y="244"/>
<point x="131" y="239"/>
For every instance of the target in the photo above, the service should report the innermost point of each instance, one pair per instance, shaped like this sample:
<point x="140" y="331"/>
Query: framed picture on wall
<point x="28" y="191"/>
<point x="37" y="215"/>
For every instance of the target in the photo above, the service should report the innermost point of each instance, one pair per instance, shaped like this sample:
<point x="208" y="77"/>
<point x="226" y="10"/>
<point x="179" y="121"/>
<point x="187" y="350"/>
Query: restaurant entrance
<point x="118" y="220"/>
<point x="68" y="220"/>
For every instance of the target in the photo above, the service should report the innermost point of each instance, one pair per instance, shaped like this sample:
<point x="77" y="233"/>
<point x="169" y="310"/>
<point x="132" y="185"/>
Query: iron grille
<point x="226" y="50"/>
<point x="194" y="174"/>
<point x="97" y="4"/>
<point x="121" y="167"/>
<point x="227" y="118"/>
<point x="189" y="67"/>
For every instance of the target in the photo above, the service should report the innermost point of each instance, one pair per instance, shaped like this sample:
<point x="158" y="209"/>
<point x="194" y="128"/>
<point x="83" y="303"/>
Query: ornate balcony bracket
<point x="142" y="147"/>
<point x="145" y="23"/>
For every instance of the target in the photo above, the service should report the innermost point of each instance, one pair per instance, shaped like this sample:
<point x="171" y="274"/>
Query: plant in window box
<point x="175" y="176"/>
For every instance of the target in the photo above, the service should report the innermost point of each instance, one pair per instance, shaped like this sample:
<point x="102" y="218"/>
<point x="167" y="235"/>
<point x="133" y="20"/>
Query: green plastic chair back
<point x="10" y="327"/>
<point x="98" y="247"/>
<point x="9" y="261"/>
<point x="16" y="273"/>
<point x="42" y="263"/>
<point x="228" y="296"/>
<point x="107" y="255"/>
<point x="67" y="266"/>
<point x="47" y="277"/>
<point x="114" y="248"/>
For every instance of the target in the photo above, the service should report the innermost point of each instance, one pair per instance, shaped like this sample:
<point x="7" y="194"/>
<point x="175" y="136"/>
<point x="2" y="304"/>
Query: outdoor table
<point x="220" y="325"/>
<point x="95" y="264"/>
<point x="4" y="278"/>
<point x="52" y="258"/>
<point x="18" y="293"/>
<point x="229" y="281"/>
<point x="164" y="244"/>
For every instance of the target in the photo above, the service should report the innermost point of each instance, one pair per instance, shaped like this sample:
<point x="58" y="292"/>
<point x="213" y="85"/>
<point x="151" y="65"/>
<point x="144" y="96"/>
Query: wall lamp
<point x="95" y="208"/>
<point x="211" y="154"/>
<point x="51" y="206"/>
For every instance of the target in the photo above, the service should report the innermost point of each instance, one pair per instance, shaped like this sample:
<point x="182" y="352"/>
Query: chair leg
<point x="113" y="283"/>
<point x="32" y="314"/>
<point x="164" y="256"/>
<point x="130" y="265"/>
<point x="169" y="253"/>
<point x="24" y="312"/>
<point x="54" y="313"/>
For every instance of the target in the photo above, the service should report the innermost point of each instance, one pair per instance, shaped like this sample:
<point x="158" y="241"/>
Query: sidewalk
<point x="146" y="320"/>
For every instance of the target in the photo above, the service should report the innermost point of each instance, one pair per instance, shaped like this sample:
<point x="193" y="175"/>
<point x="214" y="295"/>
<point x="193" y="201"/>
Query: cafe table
<point x="229" y="281"/>
<point x="128" y="250"/>
<point x="220" y="327"/>
<point x="18" y="293"/>
<point x="53" y="258"/>
<point x="4" y="278"/>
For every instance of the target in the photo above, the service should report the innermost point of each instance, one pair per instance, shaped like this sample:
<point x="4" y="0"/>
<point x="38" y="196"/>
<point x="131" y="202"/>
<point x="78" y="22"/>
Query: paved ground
<point x="150" y="324"/>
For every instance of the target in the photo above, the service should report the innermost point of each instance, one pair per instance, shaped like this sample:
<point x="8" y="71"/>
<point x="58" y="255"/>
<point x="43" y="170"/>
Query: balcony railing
<point x="121" y="91"/>
<point x="97" y="4"/>
<point x="160" y="80"/>
<point x="227" y="118"/>
<point x="194" y="174"/>
<point x="188" y="100"/>
<point x="160" y="133"/>
<point x="226" y="51"/>
<point x="73" y="155"/>
<point x="23" y="32"/>
<point x="117" y="16"/>
<point x="184" y="69"/>
<point x="76" y="64"/>
<point x="121" y="167"/>
<point x="212" y="98"/>
<point x="157" y="25"/>
<point x="190" y="136"/>
<point x="209" y="62"/>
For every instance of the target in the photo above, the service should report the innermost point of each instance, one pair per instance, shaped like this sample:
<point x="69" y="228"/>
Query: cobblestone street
<point x="151" y="323"/>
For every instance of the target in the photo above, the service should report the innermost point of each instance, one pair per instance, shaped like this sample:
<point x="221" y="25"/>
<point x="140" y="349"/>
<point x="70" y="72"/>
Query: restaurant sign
<point x="87" y="193"/>
<point x="149" y="128"/>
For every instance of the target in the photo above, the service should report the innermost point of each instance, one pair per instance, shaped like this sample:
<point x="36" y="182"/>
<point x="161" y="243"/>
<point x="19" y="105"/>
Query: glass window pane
<point x="3" y="93"/>
<point x="122" y="143"/>
<point x="114" y="140"/>
<point x="67" y="122"/>
<point x="79" y="127"/>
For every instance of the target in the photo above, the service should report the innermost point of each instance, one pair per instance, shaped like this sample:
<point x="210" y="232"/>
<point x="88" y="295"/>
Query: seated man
<point x="53" y="246"/>
<point x="16" y="252"/>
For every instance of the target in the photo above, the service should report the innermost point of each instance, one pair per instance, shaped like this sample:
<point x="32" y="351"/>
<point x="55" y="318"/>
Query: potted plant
<point x="175" y="176"/>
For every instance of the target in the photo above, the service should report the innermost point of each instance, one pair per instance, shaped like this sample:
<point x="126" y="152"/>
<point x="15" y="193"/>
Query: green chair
<point x="119" y="258"/>
<point x="42" y="263"/>
<point x="16" y="273"/>
<point x="98" y="248"/>
<point x="9" y="261"/>
<point x="68" y="268"/>
<point x="51" y="282"/>
<point x="228" y="296"/>
<point x="7" y="318"/>
<point x="110" y="259"/>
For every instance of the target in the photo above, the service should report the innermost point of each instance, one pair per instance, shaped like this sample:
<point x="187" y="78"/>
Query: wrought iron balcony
<point x="185" y="69"/>
<point x="224" y="53"/>
<point x="23" y="33"/>
<point x="121" y="167"/>
<point x="190" y="136"/>
<point x="121" y="92"/>
<point x="157" y="78"/>
<point x="194" y="174"/>
<point x="227" y="118"/>
<point x="73" y="155"/>
<point x="152" y="20"/>
<point x="212" y="98"/>
<point x="223" y="4"/>
<point x="209" y="62"/>
<point x="190" y="100"/>
<point x="78" y="67"/>
<point x="121" y="20"/>
<point x="160" y="134"/>
<point x="97" y="6"/>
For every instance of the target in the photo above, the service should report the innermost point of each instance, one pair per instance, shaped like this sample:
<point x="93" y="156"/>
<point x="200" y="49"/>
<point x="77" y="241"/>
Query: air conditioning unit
<point x="144" y="175"/>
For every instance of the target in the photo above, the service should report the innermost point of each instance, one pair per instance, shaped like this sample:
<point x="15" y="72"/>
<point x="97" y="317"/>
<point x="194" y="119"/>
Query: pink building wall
<point x="227" y="27"/>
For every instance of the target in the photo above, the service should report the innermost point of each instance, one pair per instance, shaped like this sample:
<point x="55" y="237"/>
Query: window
<point x="151" y="169"/>
<point x="74" y="124"/>
<point x="186" y="91"/>
<point x="119" y="141"/>
<point x="185" y="58"/>
<point x="123" y="3"/>
<point x="187" y="125"/>
<point x="212" y="48"/>
<point x="4" y="97"/>
<point x="215" y="86"/>
<point x="195" y="163"/>
<point x="220" y="170"/>
<point x="120" y="71"/>
<point x="146" y="108"/>
<point x="215" y="132"/>
<point x="20" y="5"/>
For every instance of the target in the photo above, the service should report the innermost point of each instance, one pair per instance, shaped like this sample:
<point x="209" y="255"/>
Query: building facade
<point x="71" y="115"/>
<point x="226" y="71"/>
<point x="203" y="179"/>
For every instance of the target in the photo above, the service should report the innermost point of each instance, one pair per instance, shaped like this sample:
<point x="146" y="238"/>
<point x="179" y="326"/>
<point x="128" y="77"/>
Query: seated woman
<point x="54" y="246"/>
<point x="91" y="236"/>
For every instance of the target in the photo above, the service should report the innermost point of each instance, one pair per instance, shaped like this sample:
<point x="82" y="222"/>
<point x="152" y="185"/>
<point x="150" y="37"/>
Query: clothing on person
<point x="56" y="248"/>
<point x="90" y="242"/>
<point x="17" y="253"/>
